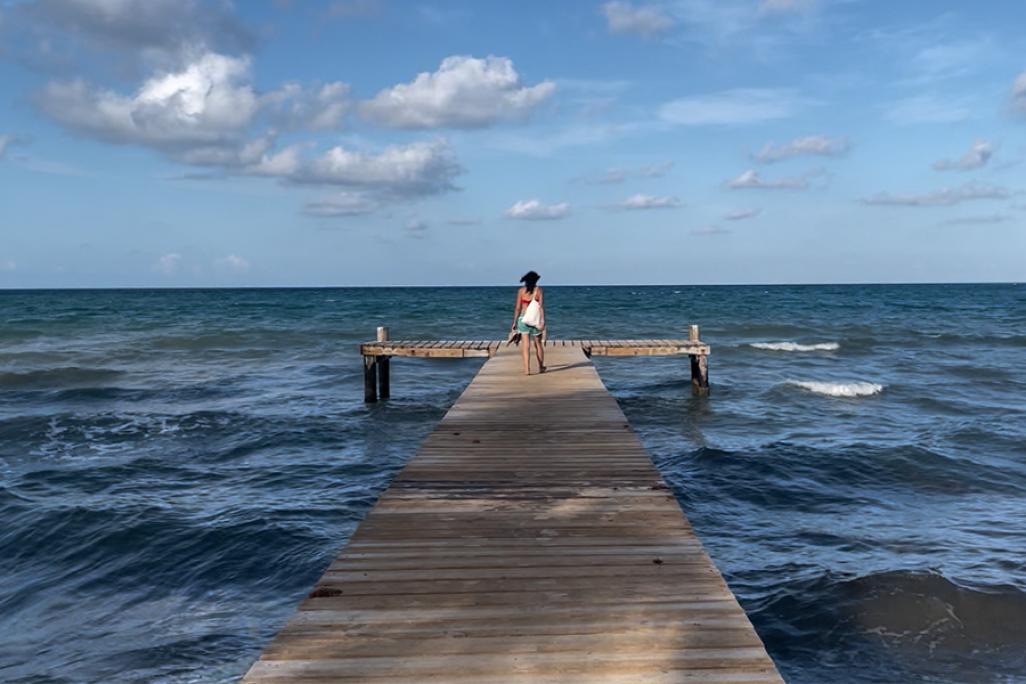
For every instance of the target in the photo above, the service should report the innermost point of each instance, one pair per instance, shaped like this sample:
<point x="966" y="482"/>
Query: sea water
<point x="177" y="467"/>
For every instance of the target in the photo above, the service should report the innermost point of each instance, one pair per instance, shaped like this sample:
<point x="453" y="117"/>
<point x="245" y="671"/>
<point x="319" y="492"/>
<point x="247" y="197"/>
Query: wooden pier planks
<point x="464" y="349"/>
<point x="530" y="539"/>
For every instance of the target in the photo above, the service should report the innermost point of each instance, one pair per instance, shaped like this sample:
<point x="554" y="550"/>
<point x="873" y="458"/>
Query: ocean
<point x="177" y="467"/>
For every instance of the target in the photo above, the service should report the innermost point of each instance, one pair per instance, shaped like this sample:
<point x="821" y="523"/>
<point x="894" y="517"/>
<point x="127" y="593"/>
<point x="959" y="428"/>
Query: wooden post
<point x="699" y="367"/>
<point x="370" y="378"/>
<point x="700" y="375"/>
<point x="384" y="390"/>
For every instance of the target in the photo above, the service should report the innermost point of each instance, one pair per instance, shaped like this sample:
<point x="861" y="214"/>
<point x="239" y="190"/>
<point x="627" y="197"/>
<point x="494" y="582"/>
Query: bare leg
<point x="539" y="349"/>
<point x="525" y="344"/>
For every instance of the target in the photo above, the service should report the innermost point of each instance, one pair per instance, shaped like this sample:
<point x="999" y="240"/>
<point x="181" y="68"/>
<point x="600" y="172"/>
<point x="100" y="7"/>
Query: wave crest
<point x="795" y="346"/>
<point x="839" y="389"/>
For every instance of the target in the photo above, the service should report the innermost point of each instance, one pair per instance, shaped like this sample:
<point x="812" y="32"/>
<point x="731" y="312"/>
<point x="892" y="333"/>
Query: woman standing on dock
<point x="528" y="295"/>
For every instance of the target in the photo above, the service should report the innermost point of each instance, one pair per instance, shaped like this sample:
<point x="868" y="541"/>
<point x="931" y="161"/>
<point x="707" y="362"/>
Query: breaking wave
<point x="839" y="389"/>
<point x="796" y="347"/>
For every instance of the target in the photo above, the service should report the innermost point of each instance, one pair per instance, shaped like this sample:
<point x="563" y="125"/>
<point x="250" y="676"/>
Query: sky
<point x="183" y="143"/>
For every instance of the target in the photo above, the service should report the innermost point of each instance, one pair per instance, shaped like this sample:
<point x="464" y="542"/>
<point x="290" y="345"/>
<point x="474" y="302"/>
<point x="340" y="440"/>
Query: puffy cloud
<point x="741" y="214"/>
<point x="342" y="204"/>
<point x="640" y="201"/>
<point x="812" y="145"/>
<point x="168" y="263"/>
<point x="751" y="180"/>
<point x="977" y="156"/>
<point x="644" y="20"/>
<point x="209" y="100"/>
<point x="420" y="168"/>
<point x="732" y="107"/>
<point x="233" y="263"/>
<point x="534" y="210"/>
<point x="1019" y="95"/>
<point x="939" y="198"/>
<point x="465" y="92"/>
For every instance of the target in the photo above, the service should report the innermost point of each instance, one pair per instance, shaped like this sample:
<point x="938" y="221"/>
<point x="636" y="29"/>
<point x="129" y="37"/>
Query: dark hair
<point x="529" y="280"/>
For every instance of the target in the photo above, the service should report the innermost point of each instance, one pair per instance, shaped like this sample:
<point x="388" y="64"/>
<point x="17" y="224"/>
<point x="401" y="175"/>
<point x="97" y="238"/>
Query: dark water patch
<point x="56" y="378"/>
<point x="908" y="626"/>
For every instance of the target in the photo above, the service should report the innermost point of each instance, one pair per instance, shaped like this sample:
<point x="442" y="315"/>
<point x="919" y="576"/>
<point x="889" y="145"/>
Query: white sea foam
<point x="795" y="347"/>
<point x="840" y="389"/>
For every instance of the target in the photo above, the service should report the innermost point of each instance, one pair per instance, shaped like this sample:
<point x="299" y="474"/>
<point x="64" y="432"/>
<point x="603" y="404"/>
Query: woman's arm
<point x="516" y="311"/>
<point x="541" y="303"/>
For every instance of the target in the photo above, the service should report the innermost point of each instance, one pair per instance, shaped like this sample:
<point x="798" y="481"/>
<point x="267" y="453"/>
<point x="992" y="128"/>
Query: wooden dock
<point x="530" y="539"/>
<point x="376" y="355"/>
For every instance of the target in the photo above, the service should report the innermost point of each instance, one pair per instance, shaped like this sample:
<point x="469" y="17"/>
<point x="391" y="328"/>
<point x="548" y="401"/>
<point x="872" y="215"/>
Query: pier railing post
<point x="384" y="389"/>
<point x="370" y="378"/>
<point x="699" y="367"/>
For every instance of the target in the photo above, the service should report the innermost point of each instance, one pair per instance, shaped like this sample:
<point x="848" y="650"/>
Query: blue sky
<point x="380" y="142"/>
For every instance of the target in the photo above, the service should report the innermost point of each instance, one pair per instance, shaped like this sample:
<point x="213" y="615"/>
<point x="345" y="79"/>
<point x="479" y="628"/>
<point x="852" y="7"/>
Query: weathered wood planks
<point x="480" y="348"/>
<point x="530" y="539"/>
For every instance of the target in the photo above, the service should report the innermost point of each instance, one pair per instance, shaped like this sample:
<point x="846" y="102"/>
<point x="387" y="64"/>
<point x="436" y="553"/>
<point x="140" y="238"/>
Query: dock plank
<point x="530" y="539"/>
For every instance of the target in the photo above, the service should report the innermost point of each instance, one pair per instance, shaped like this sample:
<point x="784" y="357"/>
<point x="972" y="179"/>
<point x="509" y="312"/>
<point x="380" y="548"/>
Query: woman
<point x="525" y="295"/>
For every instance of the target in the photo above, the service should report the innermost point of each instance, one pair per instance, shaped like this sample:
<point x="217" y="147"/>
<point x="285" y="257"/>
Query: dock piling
<point x="370" y="378"/>
<point x="699" y="367"/>
<point x="384" y="389"/>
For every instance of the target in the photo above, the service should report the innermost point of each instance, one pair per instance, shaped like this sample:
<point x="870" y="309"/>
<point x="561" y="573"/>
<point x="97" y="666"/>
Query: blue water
<point x="178" y="467"/>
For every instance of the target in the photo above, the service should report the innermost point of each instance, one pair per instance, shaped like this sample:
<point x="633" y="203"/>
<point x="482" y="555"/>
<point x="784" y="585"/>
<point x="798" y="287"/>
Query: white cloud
<point x="927" y="109"/>
<point x="8" y="265"/>
<point x="534" y="210"/>
<point x="342" y="204"/>
<point x="207" y="101"/>
<point x="819" y="145"/>
<point x="315" y="109"/>
<point x="741" y="214"/>
<point x="732" y="107"/>
<point x="751" y="180"/>
<point x="465" y="92"/>
<point x="640" y="201"/>
<point x="939" y="198"/>
<point x="644" y="20"/>
<point x="232" y="262"/>
<point x="168" y="264"/>
<point x="416" y="225"/>
<point x="976" y="157"/>
<point x="420" y="168"/>
<point x="1019" y="94"/>
<point x="285" y="162"/>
